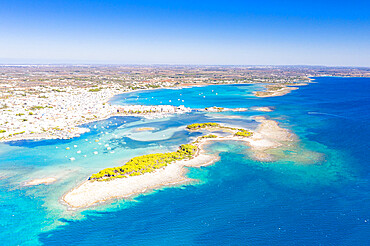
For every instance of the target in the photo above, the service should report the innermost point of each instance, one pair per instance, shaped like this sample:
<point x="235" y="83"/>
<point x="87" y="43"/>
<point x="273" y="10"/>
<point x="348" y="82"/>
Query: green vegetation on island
<point x="240" y="131"/>
<point x="209" y="136"/>
<point x="16" y="133"/>
<point x="243" y="133"/>
<point x="202" y="125"/>
<point x="145" y="164"/>
<point x="219" y="109"/>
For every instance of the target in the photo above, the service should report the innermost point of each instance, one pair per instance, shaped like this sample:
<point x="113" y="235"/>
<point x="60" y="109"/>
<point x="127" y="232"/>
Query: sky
<point x="332" y="33"/>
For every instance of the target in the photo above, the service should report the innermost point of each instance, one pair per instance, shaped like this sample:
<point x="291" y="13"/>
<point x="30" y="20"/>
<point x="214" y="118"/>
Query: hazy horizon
<point x="330" y="33"/>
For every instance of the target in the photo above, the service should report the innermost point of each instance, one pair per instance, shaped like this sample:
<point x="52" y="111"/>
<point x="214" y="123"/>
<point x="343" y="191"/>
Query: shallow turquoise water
<point x="299" y="200"/>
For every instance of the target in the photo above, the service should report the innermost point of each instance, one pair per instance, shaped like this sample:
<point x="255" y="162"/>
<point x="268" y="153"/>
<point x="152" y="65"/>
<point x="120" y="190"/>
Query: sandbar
<point x="46" y="181"/>
<point x="263" y="109"/>
<point x="141" y="129"/>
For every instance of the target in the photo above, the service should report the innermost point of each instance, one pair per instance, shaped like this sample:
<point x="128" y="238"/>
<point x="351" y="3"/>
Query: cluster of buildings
<point x="53" y="112"/>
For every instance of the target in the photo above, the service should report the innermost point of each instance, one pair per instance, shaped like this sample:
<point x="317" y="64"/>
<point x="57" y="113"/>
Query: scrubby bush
<point x="209" y="136"/>
<point x="243" y="133"/>
<point x="202" y="125"/>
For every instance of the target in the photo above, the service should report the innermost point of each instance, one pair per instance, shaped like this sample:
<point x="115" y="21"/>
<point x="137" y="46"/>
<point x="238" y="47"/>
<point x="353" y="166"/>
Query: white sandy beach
<point x="263" y="109"/>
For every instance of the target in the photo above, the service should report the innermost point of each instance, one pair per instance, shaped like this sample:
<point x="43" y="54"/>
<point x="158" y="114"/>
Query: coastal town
<point x="52" y="113"/>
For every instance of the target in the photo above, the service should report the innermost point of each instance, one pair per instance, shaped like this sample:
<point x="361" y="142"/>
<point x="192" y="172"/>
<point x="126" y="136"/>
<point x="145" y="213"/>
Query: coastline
<point x="269" y="135"/>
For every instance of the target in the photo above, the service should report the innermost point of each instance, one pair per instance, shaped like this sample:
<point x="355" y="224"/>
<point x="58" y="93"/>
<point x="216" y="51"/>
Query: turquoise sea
<point x="317" y="193"/>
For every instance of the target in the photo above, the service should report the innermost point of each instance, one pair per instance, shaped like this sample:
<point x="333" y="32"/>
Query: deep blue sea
<point x="317" y="193"/>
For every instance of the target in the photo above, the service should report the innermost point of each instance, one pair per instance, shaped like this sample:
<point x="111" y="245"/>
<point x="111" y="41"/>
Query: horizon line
<point x="174" y="64"/>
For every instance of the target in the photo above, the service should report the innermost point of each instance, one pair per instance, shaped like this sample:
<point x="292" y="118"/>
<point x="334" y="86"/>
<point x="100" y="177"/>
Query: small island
<point x="143" y="129"/>
<point x="263" y="109"/>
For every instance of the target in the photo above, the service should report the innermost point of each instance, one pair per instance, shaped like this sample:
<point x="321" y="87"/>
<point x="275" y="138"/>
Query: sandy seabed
<point x="48" y="180"/>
